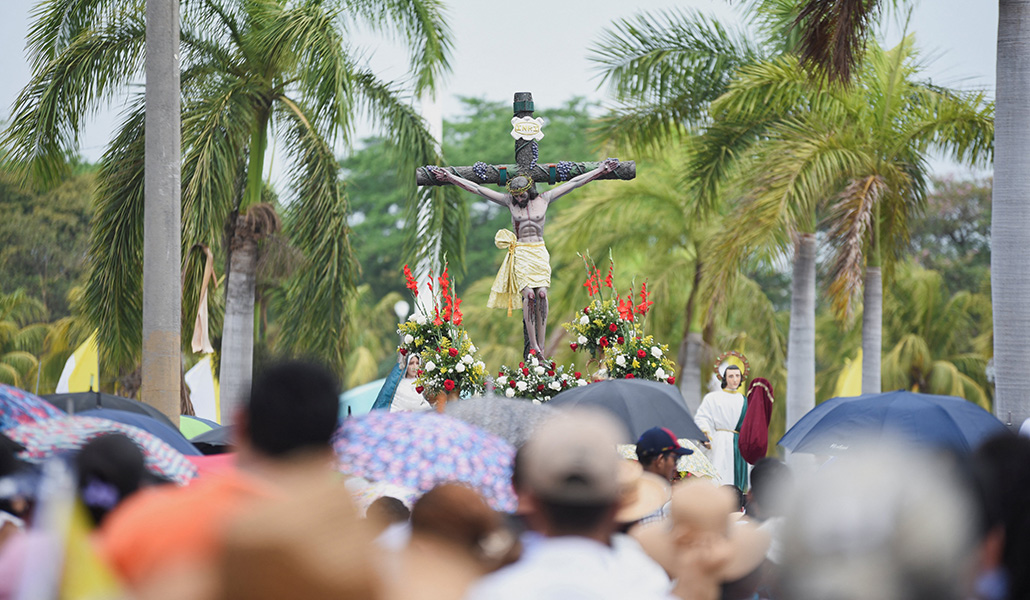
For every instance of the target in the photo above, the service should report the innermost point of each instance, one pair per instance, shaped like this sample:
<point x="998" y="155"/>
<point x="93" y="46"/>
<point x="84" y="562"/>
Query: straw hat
<point x="701" y="513"/>
<point x="640" y="493"/>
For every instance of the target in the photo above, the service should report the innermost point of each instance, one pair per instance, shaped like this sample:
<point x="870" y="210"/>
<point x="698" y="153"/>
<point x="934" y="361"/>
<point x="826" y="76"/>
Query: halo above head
<point x="732" y="358"/>
<point x="515" y="190"/>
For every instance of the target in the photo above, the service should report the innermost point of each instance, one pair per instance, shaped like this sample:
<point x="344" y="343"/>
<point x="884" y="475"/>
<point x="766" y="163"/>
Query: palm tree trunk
<point x="872" y="330"/>
<point x="237" y="355"/>
<point x="801" y="339"/>
<point x="162" y="230"/>
<point x="1010" y="220"/>
<point x="690" y="349"/>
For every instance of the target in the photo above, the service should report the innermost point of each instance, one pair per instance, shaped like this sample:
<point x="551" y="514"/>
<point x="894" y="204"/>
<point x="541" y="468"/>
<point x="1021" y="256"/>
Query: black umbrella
<point x="217" y="441"/>
<point x="637" y="403"/>
<point x="76" y="402"/>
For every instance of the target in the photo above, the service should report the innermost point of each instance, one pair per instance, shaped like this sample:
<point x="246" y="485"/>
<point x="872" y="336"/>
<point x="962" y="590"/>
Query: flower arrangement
<point x="451" y="367"/>
<point x="640" y="358"/>
<point x="448" y="357"/>
<point x="537" y="379"/>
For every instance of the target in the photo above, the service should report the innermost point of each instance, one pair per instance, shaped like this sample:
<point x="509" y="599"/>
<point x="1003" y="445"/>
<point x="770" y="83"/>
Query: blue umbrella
<point x="18" y="407"/>
<point x="158" y="429"/>
<point x="359" y="400"/>
<point x="920" y="419"/>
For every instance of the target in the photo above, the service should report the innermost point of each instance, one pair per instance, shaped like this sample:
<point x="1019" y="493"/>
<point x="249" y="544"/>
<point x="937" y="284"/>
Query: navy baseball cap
<point x="658" y="440"/>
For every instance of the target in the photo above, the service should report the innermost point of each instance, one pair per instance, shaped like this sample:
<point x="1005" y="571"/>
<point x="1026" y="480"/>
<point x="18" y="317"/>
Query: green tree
<point x="22" y="332"/>
<point x="251" y="70"/>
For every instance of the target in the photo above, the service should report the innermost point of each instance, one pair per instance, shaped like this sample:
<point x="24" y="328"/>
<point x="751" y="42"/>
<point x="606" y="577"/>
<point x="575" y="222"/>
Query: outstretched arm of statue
<point x="581" y="180"/>
<point x="469" y="186"/>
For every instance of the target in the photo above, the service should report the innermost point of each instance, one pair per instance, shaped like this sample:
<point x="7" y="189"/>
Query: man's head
<point x="521" y="189"/>
<point x="658" y="450"/>
<point x="569" y="467"/>
<point x="771" y="480"/>
<point x="731" y="378"/>
<point x="293" y="408"/>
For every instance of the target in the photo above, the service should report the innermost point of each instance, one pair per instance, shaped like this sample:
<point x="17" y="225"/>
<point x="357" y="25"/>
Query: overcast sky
<point x="541" y="46"/>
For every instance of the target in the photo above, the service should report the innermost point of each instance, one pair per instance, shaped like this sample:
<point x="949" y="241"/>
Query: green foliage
<point x="43" y="238"/>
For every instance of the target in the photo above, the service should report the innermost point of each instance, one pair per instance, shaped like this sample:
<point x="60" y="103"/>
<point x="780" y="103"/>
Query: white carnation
<point x="502" y="380"/>
<point x="656" y="351"/>
<point x="539" y="370"/>
<point x="620" y="360"/>
<point x="584" y="320"/>
<point x="521" y="385"/>
<point x="472" y="349"/>
<point x="510" y="392"/>
<point x="660" y="373"/>
<point x="460" y="367"/>
<point x="420" y="319"/>
<point x="430" y="366"/>
<point x="409" y="338"/>
<point x="467" y="359"/>
<point x="581" y="339"/>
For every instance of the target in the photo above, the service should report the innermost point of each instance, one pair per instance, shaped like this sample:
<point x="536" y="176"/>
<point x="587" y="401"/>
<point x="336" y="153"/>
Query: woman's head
<point x="413" y="364"/>
<point x="457" y="514"/>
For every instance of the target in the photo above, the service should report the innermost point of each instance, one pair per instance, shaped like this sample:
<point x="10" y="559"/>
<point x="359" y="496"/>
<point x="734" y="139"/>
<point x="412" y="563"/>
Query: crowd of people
<point x="890" y="523"/>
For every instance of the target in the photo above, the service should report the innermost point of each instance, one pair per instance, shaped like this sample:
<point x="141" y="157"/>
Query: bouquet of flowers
<point x="640" y="358"/>
<point x="451" y="366"/>
<point x="538" y="379"/>
<point x="605" y="322"/>
<point x="419" y="331"/>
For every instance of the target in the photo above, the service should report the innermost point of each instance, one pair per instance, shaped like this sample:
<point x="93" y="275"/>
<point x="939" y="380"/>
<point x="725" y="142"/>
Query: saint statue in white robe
<point x="719" y="417"/>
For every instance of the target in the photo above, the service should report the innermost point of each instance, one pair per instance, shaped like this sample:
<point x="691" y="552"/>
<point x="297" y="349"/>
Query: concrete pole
<point x="162" y="229"/>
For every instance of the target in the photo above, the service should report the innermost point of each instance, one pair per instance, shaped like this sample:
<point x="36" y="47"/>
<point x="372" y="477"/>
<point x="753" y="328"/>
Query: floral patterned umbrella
<point x="68" y="433"/>
<point x="18" y="406"/>
<point x="421" y="449"/>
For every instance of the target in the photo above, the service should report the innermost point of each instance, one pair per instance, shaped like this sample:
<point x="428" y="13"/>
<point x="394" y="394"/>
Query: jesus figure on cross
<point x="525" y="273"/>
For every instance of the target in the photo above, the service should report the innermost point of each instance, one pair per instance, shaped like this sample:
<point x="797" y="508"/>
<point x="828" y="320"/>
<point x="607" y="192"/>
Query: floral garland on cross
<point x="449" y="361"/>
<point x="537" y="379"/>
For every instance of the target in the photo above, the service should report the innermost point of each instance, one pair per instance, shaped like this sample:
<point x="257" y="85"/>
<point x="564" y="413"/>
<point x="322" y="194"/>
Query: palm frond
<point x="834" y="33"/>
<point x="851" y="220"/>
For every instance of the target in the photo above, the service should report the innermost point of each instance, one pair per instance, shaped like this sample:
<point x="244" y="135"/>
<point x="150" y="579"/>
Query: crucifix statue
<point x="525" y="274"/>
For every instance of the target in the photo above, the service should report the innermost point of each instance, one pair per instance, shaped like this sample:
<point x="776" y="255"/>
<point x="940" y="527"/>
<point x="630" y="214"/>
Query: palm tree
<point x="21" y="336"/>
<point x="796" y="146"/>
<point x="253" y="70"/>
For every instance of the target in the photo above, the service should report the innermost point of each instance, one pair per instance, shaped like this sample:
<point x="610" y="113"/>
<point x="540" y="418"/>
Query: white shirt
<point x="572" y="568"/>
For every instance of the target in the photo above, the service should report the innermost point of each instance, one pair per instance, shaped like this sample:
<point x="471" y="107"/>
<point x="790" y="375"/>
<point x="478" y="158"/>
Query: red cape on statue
<point x="754" y="432"/>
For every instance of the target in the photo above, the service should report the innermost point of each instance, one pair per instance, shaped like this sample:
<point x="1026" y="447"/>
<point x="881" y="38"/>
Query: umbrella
<point x="216" y="441"/>
<point x="158" y="429"/>
<point x="922" y="419"/>
<point x="359" y="400"/>
<point x="507" y="418"/>
<point x="192" y="426"/>
<point x="69" y="433"/>
<point x="697" y="464"/>
<point x="421" y="449"/>
<point x="18" y="406"/>
<point x="77" y="402"/>
<point x="637" y="403"/>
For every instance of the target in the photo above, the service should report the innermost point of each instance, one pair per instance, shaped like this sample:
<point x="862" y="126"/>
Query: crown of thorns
<point x="515" y="190"/>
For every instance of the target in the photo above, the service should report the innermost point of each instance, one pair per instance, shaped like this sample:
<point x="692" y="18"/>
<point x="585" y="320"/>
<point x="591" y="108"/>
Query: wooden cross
<point x="526" y="155"/>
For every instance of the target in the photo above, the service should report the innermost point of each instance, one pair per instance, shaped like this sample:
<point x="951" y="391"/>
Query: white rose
<point x="472" y="349"/>
<point x="533" y="361"/>
<point x="420" y="319"/>
<point x="502" y="380"/>
<point x="539" y="370"/>
<point x="409" y="338"/>
<point x="413" y="316"/>
<point x="521" y="385"/>
<point x="660" y="373"/>
<point x="460" y="367"/>
<point x="582" y="340"/>
<point x="656" y="351"/>
<point x="467" y="359"/>
<point x="554" y="385"/>
<point x="620" y="360"/>
<point x="430" y="366"/>
<point x="581" y="382"/>
<point x="509" y="392"/>
<point x="584" y="320"/>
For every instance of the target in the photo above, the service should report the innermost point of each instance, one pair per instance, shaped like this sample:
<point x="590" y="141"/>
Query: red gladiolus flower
<point x="448" y="384"/>
<point x="628" y="376"/>
<point x="603" y="341"/>
<point x="641" y="354"/>
<point x="622" y="340"/>
<point x="409" y="280"/>
<point x="613" y="327"/>
<point x="671" y="380"/>
<point x="454" y="351"/>
<point x="419" y="389"/>
<point x="573" y="345"/>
